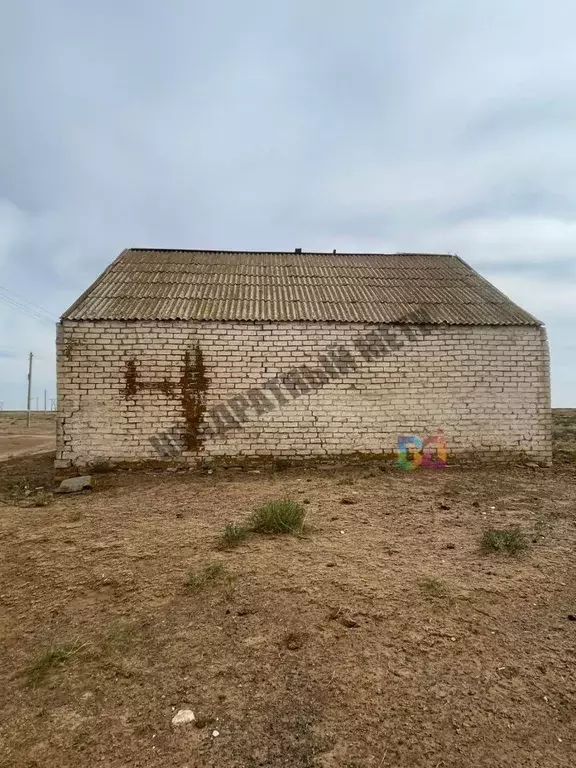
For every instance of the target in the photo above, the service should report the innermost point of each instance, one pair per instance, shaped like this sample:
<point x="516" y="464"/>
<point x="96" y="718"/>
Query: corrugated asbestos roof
<point x="149" y="284"/>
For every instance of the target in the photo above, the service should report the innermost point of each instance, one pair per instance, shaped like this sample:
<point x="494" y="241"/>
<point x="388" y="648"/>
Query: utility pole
<point x="44" y="401"/>
<point x="29" y="388"/>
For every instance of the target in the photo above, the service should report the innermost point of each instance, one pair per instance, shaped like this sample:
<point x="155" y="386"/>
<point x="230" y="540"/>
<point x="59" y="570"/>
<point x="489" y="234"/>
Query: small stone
<point x="444" y="506"/>
<point x="183" y="716"/>
<point x="571" y="617"/>
<point x="215" y="733"/>
<point x="75" y="484"/>
<point x="347" y="500"/>
<point x="348" y="622"/>
<point x="450" y="546"/>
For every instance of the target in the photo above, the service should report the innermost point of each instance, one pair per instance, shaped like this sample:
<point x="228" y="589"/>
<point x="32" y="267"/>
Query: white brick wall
<point x="487" y="388"/>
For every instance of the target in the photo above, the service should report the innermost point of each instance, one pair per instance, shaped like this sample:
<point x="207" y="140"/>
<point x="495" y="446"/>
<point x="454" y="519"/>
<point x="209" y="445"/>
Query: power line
<point x="28" y="309"/>
<point x="25" y="307"/>
<point x="20" y="305"/>
<point x="22" y="299"/>
<point x="25" y="311"/>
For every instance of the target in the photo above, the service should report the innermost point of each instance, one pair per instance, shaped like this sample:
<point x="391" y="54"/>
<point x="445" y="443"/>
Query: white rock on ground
<point x="75" y="484"/>
<point x="183" y="716"/>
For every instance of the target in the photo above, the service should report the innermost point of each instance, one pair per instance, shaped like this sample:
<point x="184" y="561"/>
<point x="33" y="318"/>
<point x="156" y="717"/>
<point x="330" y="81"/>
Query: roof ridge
<point x="283" y="253"/>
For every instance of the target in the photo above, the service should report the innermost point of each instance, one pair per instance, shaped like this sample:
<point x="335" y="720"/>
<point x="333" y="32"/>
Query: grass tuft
<point x="282" y="516"/>
<point x="49" y="660"/>
<point x="121" y="632"/>
<point x="214" y="571"/>
<point x="197" y="580"/>
<point x="233" y="535"/>
<point x="510" y="541"/>
<point x="278" y="517"/>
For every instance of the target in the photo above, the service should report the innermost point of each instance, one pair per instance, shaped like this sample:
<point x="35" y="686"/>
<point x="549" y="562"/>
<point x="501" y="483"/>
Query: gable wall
<point x="148" y="390"/>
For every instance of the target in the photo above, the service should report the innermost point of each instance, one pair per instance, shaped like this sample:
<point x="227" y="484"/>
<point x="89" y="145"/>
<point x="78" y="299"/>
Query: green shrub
<point x="49" y="660"/>
<point x="510" y="541"/>
<point x="197" y="580"/>
<point x="214" y="571"/>
<point x="278" y="517"/>
<point x="233" y="535"/>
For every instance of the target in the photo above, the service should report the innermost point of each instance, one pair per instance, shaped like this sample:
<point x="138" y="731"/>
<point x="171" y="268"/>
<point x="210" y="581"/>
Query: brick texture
<point x="298" y="389"/>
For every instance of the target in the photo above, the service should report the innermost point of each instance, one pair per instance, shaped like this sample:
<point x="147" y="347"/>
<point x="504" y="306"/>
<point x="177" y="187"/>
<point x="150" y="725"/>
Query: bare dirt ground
<point x="16" y="439"/>
<point x="383" y="637"/>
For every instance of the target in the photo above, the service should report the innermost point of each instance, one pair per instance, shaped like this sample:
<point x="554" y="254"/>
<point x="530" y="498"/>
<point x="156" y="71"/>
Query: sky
<point x="366" y="126"/>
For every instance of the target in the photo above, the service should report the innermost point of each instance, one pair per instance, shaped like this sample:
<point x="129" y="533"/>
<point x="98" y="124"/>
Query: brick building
<point x="195" y="354"/>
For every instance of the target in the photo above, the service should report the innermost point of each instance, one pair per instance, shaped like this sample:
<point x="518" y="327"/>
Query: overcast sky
<point x="374" y="125"/>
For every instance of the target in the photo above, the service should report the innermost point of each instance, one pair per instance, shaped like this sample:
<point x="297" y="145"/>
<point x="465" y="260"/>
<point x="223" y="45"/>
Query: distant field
<point x="564" y="433"/>
<point x="12" y="422"/>
<point x="16" y="439"/>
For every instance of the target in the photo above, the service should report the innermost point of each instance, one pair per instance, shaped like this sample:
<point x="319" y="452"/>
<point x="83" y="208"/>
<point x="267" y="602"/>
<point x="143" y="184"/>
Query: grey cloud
<point x="560" y="270"/>
<point x="553" y="112"/>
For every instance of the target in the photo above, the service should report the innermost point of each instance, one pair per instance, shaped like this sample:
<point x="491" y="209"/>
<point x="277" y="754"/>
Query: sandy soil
<point x="16" y="439"/>
<point x="382" y="638"/>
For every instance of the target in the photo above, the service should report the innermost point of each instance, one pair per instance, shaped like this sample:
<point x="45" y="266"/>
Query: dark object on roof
<point x="155" y="284"/>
